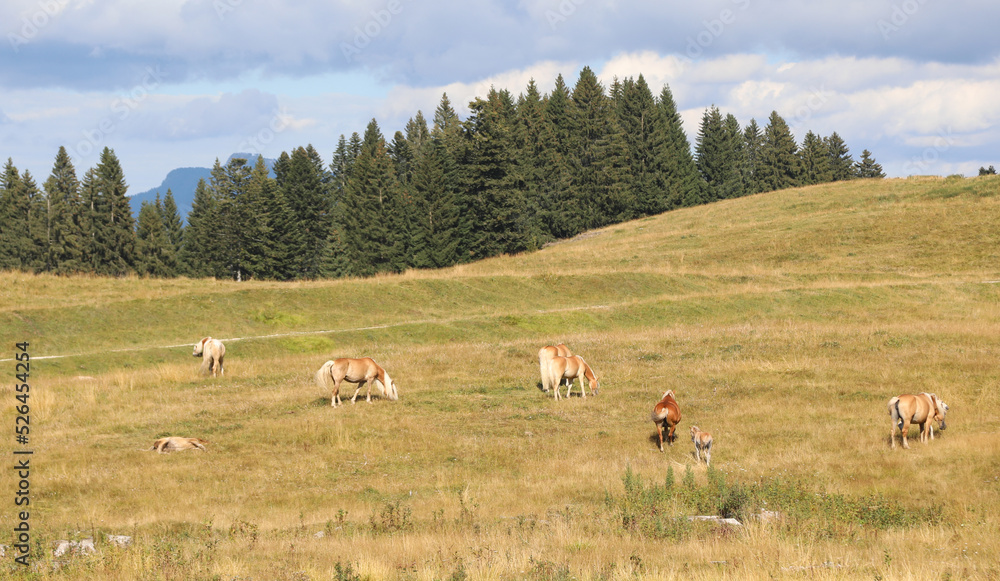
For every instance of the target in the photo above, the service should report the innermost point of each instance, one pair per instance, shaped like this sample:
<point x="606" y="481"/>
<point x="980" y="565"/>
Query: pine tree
<point x="815" y="160"/>
<point x="235" y="213"/>
<point x="637" y="116"/>
<point x="753" y="143"/>
<point x="537" y="171"/>
<point x="841" y="162"/>
<point x="173" y="223"/>
<point x="560" y="216"/>
<point x="201" y="254"/>
<point x="65" y="227"/>
<point x="497" y="206"/>
<point x="734" y="186"/>
<point x="682" y="184"/>
<point x="370" y="199"/>
<point x="417" y="134"/>
<point x="598" y="174"/>
<point x="436" y="218"/>
<point x="306" y="189"/>
<point x="717" y="158"/>
<point x="780" y="166"/>
<point x="866" y="167"/>
<point x="17" y="247"/>
<point x="115" y="239"/>
<point x="154" y="252"/>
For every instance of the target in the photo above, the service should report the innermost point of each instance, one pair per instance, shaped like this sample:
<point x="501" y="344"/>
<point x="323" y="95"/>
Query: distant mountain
<point x="182" y="183"/>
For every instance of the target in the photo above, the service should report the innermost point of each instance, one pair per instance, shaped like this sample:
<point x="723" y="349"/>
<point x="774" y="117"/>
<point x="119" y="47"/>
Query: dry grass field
<point x="784" y="322"/>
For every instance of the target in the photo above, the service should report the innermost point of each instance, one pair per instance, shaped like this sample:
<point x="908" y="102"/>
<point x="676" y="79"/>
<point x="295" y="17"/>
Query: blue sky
<point x="177" y="83"/>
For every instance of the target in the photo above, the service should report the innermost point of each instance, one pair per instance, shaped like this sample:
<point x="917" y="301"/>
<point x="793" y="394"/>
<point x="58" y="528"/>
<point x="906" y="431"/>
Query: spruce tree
<point x="497" y="206"/>
<point x="717" y="158"/>
<point x="734" y="185"/>
<point x="560" y="215"/>
<point x="115" y="238"/>
<point x="370" y="199"/>
<point x="815" y="160"/>
<point x="17" y="250"/>
<point x="637" y="115"/>
<point x="682" y="184"/>
<point x="66" y="237"/>
<point x="436" y="217"/>
<point x="780" y="166"/>
<point x="173" y="223"/>
<point x="537" y="174"/>
<point x="753" y="143"/>
<point x="866" y="167"/>
<point x="38" y="223"/>
<point x="306" y="189"/>
<point x="154" y="252"/>
<point x="841" y="162"/>
<point x="201" y="254"/>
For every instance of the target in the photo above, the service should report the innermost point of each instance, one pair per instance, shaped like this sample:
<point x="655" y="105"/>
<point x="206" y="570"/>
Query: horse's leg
<point x="659" y="433"/>
<point x="697" y="453"/>
<point x="360" y="384"/>
<point x="905" y="429"/>
<point x="670" y="435"/>
<point x="336" y="393"/>
<point x="708" y="455"/>
<point x="222" y="370"/>
<point x="368" y="395"/>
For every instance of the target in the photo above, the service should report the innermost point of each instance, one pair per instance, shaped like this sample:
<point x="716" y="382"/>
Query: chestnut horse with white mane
<point x="545" y="355"/>
<point x="570" y="368"/>
<point x="666" y="415"/>
<point x="921" y="409"/>
<point x="212" y="351"/>
<point x="360" y="371"/>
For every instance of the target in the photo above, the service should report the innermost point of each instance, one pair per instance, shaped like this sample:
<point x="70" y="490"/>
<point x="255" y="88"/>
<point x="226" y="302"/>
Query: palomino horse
<point x="177" y="443"/>
<point x="921" y="409"/>
<point x="702" y="445"/>
<point x="212" y="351"/>
<point x="570" y="368"/>
<point x="666" y="415"/>
<point x="545" y="355"/>
<point x="360" y="371"/>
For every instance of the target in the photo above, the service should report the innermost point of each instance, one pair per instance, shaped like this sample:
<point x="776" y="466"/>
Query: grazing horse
<point x="921" y="409"/>
<point x="666" y="415"/>
<point x="360" y="371"/>
<point x="702" y="444"/>
<point x="570" y="368"/>
<point x="212" y="351"/>
<point x="545" y="355"/>
<point x="177" y="443"/>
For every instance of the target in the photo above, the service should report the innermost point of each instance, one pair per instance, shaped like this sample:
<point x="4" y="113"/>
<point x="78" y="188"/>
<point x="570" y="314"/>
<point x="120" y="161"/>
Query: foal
<point x="702" y="444"/>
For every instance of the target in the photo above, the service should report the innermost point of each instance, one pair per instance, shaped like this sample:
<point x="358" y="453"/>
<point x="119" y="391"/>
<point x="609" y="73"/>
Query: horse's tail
<point x="897" y="419"/>
<point x="543" y="369"/>
<point x="324" y="379"/>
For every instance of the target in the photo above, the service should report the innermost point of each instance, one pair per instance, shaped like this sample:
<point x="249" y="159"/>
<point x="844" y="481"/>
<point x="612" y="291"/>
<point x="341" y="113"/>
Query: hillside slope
<point x="783" y="321"/>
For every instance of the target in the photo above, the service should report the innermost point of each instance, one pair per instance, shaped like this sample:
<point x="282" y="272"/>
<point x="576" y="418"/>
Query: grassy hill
<point x="783" y="321"/>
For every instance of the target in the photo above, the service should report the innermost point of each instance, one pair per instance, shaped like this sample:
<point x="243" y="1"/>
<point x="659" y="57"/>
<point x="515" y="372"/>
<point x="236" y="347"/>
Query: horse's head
<point x="694" y="432"/>
<point x="940" y="409"/>
<point x="199" y="347"/>
<point x="389" y="388"/>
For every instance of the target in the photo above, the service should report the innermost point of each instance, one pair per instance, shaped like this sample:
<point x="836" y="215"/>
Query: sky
<point x="179" y="83"/>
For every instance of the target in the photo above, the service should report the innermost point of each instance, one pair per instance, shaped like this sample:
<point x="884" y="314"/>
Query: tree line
<point x="514" y="175"/>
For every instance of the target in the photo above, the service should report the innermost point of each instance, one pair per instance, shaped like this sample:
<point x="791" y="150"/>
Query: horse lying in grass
<point x="702" y="445"/>
<point x="571" y="368"/>
<point x="545" y="355"/>
<point x="666" y="415"/>
<point x="921" y="409"/>
<point x="177" y="443"/>
<point x="360" y="371"/>
<point x="212" y="351"/>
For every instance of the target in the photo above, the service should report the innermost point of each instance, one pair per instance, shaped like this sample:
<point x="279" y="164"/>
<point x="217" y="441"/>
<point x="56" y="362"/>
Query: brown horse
<point x="570" y="368"/>
<point x="177" y="443"/>
<point x="921" y="409"/>
<point x="702" y="445"/>
<point x="666" y="415"/>
<point x="212" y="351"/>
<point x="360" y="371"/>
<point x="545" y="355"/>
